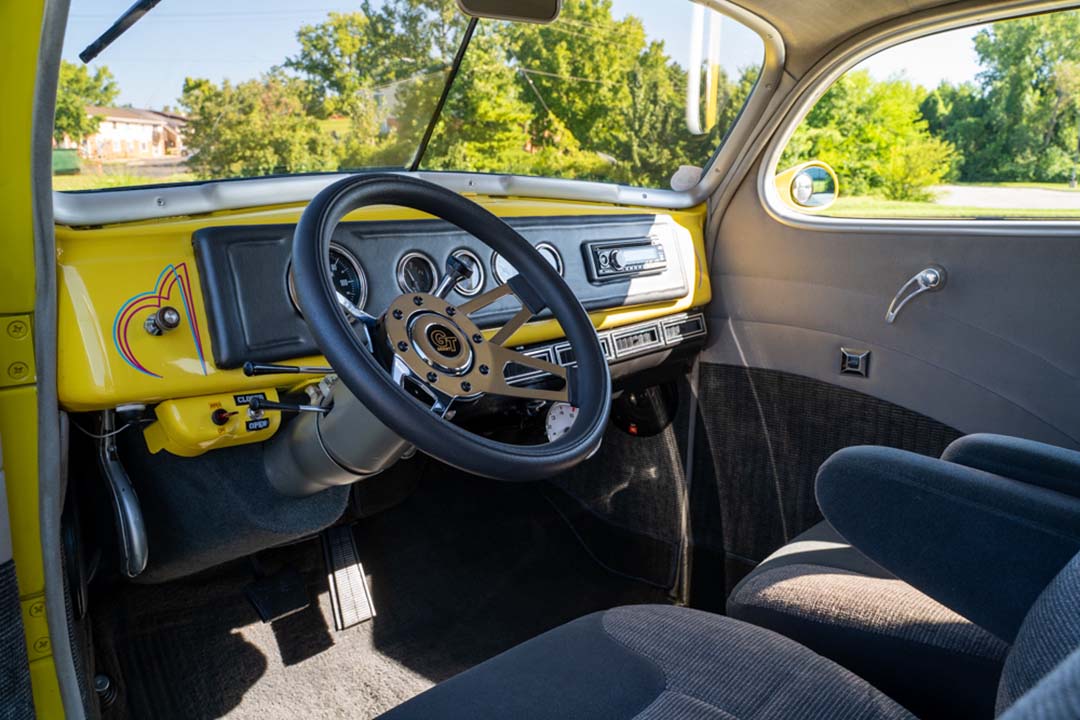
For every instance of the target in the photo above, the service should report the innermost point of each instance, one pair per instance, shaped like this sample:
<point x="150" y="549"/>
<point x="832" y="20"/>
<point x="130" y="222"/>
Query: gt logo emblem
<point x="444" y="341"/>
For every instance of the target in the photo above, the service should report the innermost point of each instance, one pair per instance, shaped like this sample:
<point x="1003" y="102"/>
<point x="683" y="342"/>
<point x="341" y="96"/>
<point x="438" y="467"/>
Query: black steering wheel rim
<point x="369" y="381"/>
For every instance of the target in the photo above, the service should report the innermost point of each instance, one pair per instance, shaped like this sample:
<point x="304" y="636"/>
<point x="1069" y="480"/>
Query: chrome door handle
<point x="928" y="280"/>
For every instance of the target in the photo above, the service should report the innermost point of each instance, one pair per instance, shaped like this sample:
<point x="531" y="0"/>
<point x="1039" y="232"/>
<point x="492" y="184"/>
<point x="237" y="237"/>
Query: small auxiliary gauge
<point x="560" y="419"/>
<point x="416" y="273"/>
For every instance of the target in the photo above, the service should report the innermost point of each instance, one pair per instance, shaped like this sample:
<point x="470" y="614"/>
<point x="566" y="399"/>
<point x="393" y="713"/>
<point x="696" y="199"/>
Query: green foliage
<point x="587" y="97"/>
<point x="257" y="127"/>
<point x="875" y="137"/>
<point x="77" y="88"/>
<point x="1020" y="122"/>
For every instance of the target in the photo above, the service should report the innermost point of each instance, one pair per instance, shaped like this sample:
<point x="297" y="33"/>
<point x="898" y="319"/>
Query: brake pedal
<point x="350" y="598"/>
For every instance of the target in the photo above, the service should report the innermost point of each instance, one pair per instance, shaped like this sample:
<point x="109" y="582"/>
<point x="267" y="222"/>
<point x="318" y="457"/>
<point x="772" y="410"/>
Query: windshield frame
<point x="129" y="204"/>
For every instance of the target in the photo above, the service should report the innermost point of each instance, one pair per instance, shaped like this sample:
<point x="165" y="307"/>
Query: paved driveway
<point x="1007" y="197"/>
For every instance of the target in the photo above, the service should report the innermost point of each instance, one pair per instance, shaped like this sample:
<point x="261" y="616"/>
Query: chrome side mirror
<point x="812" y="186"/>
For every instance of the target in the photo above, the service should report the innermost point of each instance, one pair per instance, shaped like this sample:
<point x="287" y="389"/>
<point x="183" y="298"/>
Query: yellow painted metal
<point x="185" y="426"/>
<point x="16" y="351"/>
<point x="139" y="266"/>
<point x="20" y="35"/>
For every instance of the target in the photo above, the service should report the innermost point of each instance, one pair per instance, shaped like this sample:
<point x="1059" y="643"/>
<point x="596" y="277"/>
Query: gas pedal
<point x="350" y="598"/>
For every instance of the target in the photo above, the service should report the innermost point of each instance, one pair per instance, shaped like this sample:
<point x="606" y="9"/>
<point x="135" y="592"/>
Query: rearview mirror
<point x="532" y="11"/>
<point x="705" y="28"/>
<point x="809" y="187"/>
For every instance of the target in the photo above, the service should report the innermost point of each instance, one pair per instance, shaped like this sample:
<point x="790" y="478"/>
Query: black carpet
<point x="462" y="570"/>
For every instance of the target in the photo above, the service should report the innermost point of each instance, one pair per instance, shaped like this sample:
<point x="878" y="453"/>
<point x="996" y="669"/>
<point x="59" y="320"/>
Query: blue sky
<point x="242" y="38"/>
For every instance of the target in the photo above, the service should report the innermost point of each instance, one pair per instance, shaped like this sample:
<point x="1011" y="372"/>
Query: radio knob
<point x="615" y="261"/>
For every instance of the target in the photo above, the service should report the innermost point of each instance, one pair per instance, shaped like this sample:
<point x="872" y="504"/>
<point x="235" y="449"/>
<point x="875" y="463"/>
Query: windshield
<point x="197" y="91"/>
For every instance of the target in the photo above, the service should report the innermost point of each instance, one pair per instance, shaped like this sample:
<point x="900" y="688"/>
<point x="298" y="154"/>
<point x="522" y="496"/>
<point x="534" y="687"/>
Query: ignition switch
<point x="165" y="319"/>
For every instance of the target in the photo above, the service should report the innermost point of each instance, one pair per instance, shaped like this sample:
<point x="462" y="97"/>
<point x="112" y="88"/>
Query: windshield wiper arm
<point x="450" y="76"/>
<point x="131" y="16"/>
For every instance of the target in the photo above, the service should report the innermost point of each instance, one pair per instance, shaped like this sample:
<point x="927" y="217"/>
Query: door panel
<point x="995" y="350"/>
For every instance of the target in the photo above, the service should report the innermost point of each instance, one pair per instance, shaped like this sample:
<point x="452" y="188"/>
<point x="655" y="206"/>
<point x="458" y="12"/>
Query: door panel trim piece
<point x="897" y="377"/>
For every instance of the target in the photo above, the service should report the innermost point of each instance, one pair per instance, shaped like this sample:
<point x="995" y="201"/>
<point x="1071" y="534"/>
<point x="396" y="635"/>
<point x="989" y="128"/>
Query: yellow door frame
<point x="21" y="24"/>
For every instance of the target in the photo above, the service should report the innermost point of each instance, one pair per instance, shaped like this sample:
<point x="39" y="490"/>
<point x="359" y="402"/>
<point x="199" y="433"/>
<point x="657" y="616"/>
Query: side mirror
<point x="532" y="11"/>
<point x="810" y="187"/>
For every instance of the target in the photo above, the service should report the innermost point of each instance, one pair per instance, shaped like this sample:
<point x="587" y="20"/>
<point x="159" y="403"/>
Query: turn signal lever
<point x="252" y="369"/>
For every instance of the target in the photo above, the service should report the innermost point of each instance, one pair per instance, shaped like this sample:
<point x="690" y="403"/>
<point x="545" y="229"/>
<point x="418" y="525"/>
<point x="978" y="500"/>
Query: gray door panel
<point x="996" y="350"/>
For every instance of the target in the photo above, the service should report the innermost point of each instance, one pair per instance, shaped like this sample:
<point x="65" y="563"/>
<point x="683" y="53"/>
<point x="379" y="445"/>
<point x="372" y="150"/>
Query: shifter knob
<point x="456" y="271"/>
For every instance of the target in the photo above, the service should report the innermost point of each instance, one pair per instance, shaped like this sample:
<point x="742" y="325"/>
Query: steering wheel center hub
<point x="440" y="343"/>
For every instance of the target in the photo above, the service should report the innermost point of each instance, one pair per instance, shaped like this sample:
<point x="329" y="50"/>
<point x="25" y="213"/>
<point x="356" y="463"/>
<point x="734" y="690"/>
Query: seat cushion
<point x="652" y="662"/>
<point x="823" y="593"/>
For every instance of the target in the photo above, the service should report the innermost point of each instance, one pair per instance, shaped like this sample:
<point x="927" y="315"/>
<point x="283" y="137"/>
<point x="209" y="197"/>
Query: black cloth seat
<point x="823" y="593"/>
<point x="652" y="662"/>
<point x="945" y="527"/>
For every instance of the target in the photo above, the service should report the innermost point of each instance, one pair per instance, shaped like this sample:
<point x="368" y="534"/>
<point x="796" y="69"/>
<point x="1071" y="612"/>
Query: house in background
<point x="132" y="134"/>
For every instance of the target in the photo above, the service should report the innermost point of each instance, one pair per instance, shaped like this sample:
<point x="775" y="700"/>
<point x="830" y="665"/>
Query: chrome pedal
<point x="350" y="598"/>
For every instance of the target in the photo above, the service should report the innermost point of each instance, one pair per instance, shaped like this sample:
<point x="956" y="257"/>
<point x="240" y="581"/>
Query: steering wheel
<point x="423" y="345"/>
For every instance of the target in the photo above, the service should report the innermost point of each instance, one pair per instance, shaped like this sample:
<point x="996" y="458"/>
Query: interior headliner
<point x="811" y="28"/>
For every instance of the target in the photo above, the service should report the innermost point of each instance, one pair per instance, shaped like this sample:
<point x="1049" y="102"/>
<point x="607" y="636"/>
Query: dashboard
<point x="164" y="313"/>
<point x="253" y="317"/>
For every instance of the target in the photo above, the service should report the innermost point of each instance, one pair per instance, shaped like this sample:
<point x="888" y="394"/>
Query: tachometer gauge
<point x="503" y="270"/>
<point x="560" y="419"/>
<point x="346" y="274"/>
<point x="416" y="273"/>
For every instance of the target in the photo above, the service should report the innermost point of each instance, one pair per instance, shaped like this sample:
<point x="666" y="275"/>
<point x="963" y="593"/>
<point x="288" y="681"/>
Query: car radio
<point x="617" y="259"/>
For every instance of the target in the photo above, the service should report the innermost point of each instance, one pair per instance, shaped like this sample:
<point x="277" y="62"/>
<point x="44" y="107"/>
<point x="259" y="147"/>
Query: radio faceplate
<point x="618" y="259"/>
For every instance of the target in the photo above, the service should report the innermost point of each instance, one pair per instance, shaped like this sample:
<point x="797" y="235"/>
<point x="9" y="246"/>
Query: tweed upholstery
<point x="883" y="606"/>
<point x="1055" y="697"/>
<point x="716" y="667"/>
<point x="15" y="699"/>
<point x="1050" y="632"/>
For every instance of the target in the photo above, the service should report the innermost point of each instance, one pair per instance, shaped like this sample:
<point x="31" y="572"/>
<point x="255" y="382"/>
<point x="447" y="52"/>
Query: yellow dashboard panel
<point x="113" y="278"/>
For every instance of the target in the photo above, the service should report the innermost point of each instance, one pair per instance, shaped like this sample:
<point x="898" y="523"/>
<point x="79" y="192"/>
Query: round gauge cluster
<point x="503" y="270"/>
<point x="346" y="275"/>
<point x="417" y="273"/>
<point x="475" y="282"/>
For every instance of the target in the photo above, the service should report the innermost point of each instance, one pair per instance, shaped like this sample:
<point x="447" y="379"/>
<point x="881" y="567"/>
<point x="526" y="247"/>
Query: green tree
<point x="257" y="127"/>
<point x="875" y="137"/>
<point x="77" y="89"/>
<point x="1029" y="128"/>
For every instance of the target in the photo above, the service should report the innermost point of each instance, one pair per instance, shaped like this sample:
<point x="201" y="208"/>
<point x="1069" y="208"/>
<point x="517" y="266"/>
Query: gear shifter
<point x="456" y="271"/>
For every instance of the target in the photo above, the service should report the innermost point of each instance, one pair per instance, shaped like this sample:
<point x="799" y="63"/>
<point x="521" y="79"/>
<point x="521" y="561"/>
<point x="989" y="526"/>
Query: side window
<point x="981" y="122"/>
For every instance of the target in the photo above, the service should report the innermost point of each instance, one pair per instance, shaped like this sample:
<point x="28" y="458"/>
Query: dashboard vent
<point x="637" y="340"/>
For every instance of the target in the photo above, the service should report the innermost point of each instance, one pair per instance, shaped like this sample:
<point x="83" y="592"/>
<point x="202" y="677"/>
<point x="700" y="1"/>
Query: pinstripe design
<point x="716" y="667"/>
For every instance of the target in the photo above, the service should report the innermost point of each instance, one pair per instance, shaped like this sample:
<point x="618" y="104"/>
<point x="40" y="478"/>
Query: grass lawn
<point x="97" y="182"/>
<point x="872" y="207"/>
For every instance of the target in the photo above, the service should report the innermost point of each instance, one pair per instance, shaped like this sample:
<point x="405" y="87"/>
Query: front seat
<point x="998" y="551"/>
<point x="823" y="593"/>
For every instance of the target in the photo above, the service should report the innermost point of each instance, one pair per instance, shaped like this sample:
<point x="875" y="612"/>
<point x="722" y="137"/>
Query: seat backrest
<point x="1041" y="678"/>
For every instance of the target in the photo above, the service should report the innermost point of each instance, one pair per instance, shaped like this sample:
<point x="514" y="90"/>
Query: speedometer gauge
<point x="346" y="275"/>
<point x="416" y="273"/>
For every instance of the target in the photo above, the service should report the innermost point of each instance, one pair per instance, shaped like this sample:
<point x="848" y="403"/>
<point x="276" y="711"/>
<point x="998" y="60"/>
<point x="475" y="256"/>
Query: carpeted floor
<point x="461" y="571"/>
